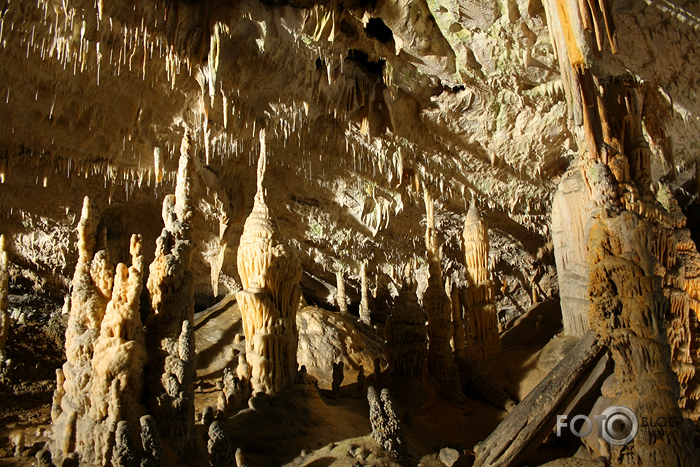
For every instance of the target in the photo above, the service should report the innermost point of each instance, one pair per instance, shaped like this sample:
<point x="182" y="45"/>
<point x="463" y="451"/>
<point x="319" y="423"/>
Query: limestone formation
<point x="151" y="443"/>
<point x="364" y="302"/>
<point x="338" y="376"/>
<point x="221" y="453"/>
<point x="386" y="428"/>
<point x="406" y="343"/>
<point x="270" y="273"/>
<point x="170" y="340"/>
<point x="482" y="321"/>
<point x="438" y="309"/>
<point x="4" y="297"/>
<point x="119" y="357"/>
<point x="361" y="381"/>
<point x="233" y="394"/>
<point x="92" y="291"/>
<point x="340" y="298"/>
<point x="124" y="453"/>
<point x="570" y="225"/>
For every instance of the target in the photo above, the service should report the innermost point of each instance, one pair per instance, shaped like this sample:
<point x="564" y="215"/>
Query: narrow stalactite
<point x="4" y="297"/>
<point x="92" y="291"/>
<point x="436" y="303"/>
<point x="170" y="339"/>
<point x="481" y="311"/>
<point x="270" y="272"/>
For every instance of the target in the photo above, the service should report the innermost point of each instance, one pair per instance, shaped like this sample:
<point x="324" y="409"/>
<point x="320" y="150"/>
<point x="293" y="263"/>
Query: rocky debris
<point x="43" y="458"/>
<point x="448" y="456"/>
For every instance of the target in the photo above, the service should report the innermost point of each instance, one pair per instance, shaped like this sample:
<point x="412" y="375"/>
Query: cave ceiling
<point x="360" y="104"/>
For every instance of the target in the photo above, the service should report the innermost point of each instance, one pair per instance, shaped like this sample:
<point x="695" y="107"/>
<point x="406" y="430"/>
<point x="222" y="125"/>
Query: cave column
<point x="364" y="301"/>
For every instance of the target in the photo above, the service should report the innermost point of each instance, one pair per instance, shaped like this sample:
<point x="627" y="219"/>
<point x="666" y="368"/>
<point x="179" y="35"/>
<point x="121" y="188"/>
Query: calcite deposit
<point x="488" y="207"/>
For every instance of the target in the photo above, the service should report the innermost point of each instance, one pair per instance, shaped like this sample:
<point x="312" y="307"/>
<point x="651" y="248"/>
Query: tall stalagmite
<point x="170" y="339"/>
<point x="482" y="322"/>
<point x="4" y="297"/>
<point x="270" y="272"/>
<point x="441" y="363"/>
<point x="92" y="291"/>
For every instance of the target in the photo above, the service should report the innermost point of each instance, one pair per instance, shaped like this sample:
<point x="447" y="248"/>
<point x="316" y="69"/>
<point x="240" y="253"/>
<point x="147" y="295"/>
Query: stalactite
<point x="437" y="307"/>
<point x="92" y="291"/>
<point x="482" y="317"/>
<point x="364" y="301"/>
<point x="4" y="297"/>
<point x="270" y="273"/>
<point x="170" y="341"/>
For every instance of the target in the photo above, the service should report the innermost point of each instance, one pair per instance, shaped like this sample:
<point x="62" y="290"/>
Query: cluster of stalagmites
<point x="98" y="407"/>
<point x="386" y="427"/>
<point x="270" y="273"/>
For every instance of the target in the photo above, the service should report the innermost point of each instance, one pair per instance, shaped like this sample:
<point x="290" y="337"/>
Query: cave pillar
<point x="270" y="272"/>
<point x="364" y="293"/>
<point x="341" y="299"/>
<point x="571" y="222"/>
<point x="481" y="311"/>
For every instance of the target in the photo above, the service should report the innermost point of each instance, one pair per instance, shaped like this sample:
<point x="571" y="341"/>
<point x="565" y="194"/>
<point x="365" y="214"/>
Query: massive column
<point x="170" y="335"/>
<point x="270" y="273"/>
<point x="482" y="315"/>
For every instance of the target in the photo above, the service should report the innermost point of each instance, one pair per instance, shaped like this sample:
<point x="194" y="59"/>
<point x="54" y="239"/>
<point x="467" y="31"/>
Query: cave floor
<point x="316" y="430"/>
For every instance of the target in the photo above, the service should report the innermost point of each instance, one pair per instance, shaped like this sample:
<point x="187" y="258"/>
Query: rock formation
<point x="364" y="302"/>
<point x="92" y="291"/>
<point x="386" y="428"/>
<point x="170" y="340"/>
<point x="270" y="273"/>
<point x="340" y="298"/>
<point x="406" y="343"/>
<point x="482" y="321"/>
<point x="221" y="454"/>
<point x="151" y="443"/>
<point x="570" y="226"/>
<point x="437" y="307"/>
<point x="4" y="297"/>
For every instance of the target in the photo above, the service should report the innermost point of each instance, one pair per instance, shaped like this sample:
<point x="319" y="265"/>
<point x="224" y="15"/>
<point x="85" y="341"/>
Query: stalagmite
<point x="92" y="291"/>
<point x="406" y="343"/>
<point x="364" y="302"/>
<point x="150" y="440"/>
<point x="459" y="336"/>
<point x="270" y="273"/>
<point x="119" y="357"/>
<point x="4" y="297"/>
<point x="482" y="314"/>
<point x="170" y="341"/>
<point x="437" y="307"/>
